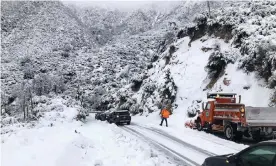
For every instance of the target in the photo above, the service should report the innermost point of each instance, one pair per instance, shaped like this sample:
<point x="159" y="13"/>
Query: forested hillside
<point x="98" y="59"/>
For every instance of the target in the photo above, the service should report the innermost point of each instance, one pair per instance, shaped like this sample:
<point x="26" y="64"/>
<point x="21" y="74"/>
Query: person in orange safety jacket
<point x="164" y="115"/>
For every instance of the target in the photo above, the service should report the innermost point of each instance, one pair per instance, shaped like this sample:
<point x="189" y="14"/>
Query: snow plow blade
<point x="190" y="124"/>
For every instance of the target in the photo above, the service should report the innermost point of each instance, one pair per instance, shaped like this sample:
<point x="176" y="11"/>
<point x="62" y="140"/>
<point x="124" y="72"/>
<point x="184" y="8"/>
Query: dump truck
<point x="223" y="113"/>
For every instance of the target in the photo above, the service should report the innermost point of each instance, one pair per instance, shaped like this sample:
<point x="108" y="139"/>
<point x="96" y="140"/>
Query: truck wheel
<point x="229" y="132"/>
<point x="198" y="126"/>
<point x="128" y="123"/>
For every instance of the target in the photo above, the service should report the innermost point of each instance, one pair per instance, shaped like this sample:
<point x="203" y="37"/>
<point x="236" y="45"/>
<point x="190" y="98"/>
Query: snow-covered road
<point x="190" y="153"/>
<point x="181" y="152"/>
<point x="102" y="144"/>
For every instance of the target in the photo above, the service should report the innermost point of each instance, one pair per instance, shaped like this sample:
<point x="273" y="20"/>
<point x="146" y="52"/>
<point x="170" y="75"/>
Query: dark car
<point x="100" y="116"/>
<point x="119" y="117"/>
<point x="103" y="115"/>
<point x="261" y="154"/>
<point x="107" y="114"/>
<point x="97" y="115"/>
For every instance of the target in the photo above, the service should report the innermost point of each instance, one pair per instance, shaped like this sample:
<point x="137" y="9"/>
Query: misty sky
<point x="123" y="5"/>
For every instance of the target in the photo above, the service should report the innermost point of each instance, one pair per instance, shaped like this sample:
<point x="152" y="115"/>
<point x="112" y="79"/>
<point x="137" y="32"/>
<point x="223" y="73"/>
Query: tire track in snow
<point x="219" y="143"/>
<point x="206" y="139"/>
<point x="185" y="144"/>
<point x="177" y="157"/>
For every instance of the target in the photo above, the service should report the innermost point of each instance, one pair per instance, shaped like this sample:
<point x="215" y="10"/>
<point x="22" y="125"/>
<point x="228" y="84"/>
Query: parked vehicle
<point x="222" y="114"/>
<point x="261" y="154"/>
<point x="97" y="115"/>
<point x="101" y="116"/>
<point x="119" y="117"/>
<point x="107" y="114"/>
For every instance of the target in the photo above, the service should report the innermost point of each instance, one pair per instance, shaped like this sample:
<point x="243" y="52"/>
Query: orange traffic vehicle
<point x="222" y="113"/>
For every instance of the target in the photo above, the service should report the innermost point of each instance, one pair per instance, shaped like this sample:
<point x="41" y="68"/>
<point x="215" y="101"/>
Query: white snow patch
<point x="71" y="144"/>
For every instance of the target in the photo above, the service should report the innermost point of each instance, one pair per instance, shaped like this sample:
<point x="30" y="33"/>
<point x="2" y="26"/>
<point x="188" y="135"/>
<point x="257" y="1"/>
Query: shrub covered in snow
<point x="149" y="87"/>
<point x="136" y="82"/>
<point x="253" y="33"/>
<point x="194" y="108"/>
<point x="273" y="100"/>
<point x="81" y="115"/>
<point x="135" y="109"/>
<point x="169" y="89"/>
<point x="217" y="63"/>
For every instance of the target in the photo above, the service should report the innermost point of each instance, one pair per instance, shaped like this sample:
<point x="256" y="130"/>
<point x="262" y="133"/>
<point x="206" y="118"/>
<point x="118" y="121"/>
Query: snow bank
<point x="51" y="113"/>
<point x="95" y="143"/>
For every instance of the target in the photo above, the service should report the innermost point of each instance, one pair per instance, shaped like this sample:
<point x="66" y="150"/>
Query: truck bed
<point x="260" y="116"/>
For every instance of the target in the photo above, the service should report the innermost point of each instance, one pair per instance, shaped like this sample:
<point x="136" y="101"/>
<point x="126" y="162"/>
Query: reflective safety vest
<point x="165" y="113"/>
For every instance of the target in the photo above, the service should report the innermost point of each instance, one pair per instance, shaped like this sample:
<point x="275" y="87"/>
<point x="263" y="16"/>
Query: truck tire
<point x="198" y="125"/>
<point x="229" y="132"/>
<point x="128" y="123"/>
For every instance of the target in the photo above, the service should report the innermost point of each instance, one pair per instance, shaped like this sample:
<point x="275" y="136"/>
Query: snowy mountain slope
<point x="142" y="72"/>
<point x="63" y="50"/>
<point x="35" y="38"/>
<point x="232" y="58"/>
<point x="41" y="27"/>
<point x="115" y="75"/>
<point x="59" y="56"/>
<point x="250" y="26"/>
<point x="187" y="69"/>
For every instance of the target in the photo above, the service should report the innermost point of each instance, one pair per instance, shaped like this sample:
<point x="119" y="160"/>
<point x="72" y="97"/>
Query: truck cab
<point x="206" y="117"/>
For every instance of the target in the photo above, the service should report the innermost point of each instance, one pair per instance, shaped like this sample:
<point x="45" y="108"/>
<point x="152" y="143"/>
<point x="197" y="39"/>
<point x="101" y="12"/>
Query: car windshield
<point x="122" y="113"/>
<point x="259" y="156"/>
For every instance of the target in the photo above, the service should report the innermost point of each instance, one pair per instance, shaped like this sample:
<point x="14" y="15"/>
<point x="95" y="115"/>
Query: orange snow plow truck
<point x="223" y="114"/>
